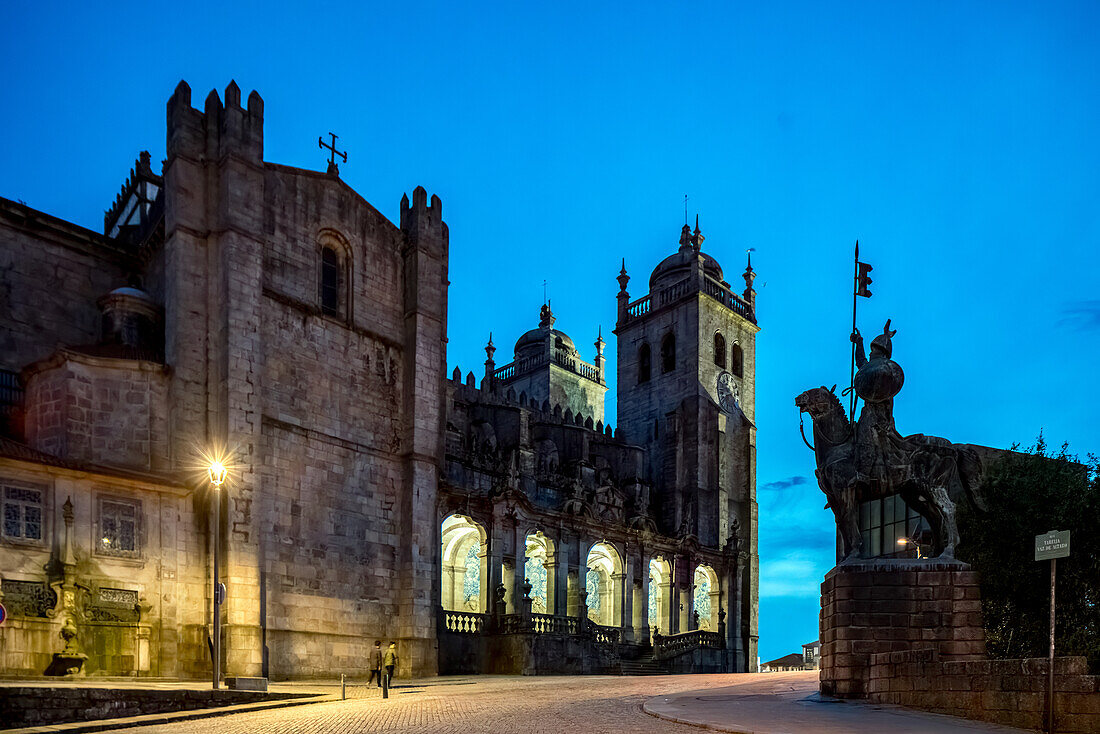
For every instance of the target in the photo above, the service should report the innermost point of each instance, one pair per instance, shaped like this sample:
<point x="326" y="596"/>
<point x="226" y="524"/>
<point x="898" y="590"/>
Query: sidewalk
<point x="784" y="703"/>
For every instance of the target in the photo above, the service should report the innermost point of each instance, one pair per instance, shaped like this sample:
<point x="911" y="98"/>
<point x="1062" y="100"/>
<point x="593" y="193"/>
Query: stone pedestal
<point x="872" y="607"/>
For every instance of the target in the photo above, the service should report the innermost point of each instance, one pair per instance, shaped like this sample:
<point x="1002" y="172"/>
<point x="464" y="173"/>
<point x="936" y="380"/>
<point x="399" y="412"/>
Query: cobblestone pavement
<point x="501" y="705"/>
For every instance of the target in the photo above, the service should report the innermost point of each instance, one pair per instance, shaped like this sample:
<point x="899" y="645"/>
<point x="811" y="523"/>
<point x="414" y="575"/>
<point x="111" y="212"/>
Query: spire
<point x="697" y="238"/>
<point x="490" y="365"/>
<point x="598" y="362"/>
<point x="623" y="278"/>
<point x="749" y="275"/>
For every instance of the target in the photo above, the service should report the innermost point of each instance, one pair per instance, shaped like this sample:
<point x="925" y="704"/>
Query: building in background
<point x="270" y="313"/>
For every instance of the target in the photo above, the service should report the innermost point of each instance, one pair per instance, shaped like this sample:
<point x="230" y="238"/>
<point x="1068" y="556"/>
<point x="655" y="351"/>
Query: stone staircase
<point x="642" y="665"/>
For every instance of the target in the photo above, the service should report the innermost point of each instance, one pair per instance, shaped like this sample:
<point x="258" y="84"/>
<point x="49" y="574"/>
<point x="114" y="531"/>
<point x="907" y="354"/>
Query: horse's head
<point x="818" y="402"/>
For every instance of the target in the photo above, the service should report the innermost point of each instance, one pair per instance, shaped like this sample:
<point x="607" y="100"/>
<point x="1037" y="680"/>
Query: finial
<point x="697" y="238"/>
<point x="546" y="316"/>
<point x="490" y="349"/>
<point x="623" y="278"/>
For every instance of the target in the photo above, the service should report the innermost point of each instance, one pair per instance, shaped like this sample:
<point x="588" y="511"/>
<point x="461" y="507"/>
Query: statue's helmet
<point x="881" y="345"/>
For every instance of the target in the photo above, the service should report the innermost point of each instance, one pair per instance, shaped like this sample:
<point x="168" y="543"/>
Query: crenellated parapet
<point x="498" y="440"/>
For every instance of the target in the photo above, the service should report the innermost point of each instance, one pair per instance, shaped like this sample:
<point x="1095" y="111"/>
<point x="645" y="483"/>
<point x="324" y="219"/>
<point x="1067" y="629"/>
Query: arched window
<point x="737" y="358"/>
<point x="719" y="349"/>
<point x="465" y="570"/>
<point x="643" y="364"/>
<point x="668" y="353"/>
<point x="330" y="282"/>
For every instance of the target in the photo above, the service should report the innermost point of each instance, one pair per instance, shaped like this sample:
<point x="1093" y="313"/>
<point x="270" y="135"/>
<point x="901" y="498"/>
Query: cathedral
<point x="268" y="318"/>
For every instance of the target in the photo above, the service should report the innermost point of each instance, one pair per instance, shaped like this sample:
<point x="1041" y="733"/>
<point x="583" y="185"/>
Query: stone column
<point x="642" y="623"/>
<point x="495" y="554"/>
<point x="733" y="632"/>
<point x="627" y="618"/>
<point x="519" y="555"/>
<point x="486" y="586"/>
<point x="561" y="577"/>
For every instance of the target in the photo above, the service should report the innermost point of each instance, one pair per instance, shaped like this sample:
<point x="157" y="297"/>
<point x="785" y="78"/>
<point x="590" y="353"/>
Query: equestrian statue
<point x="870" y="459"/>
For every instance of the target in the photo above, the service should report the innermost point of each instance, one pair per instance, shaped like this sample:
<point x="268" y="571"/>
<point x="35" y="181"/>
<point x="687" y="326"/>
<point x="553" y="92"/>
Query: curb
<point x="129" y="722"/>
<point x="701" y="725"/>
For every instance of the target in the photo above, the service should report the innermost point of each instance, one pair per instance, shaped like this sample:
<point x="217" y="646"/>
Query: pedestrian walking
<point x="390" y="662"/>
<point x="376" y="664"/>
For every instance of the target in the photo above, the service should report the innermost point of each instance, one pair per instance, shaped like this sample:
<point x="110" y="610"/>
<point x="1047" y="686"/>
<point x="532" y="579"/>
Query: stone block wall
<point x="895" y="606"/>
<point x="99" y="410"/>
<point x="51" y="273"/>
<point x="1011" y="692"/>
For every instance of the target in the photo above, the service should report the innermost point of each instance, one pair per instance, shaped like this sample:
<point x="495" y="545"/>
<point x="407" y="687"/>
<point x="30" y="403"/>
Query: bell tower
<point x="686" y="392"/>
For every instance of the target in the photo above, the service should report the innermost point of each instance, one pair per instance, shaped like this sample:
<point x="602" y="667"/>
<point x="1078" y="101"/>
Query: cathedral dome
<point x="676" y="266"/>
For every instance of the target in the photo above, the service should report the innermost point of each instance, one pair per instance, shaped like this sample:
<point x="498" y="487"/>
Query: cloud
<point x="1082" y="315"/>
<point x="782" y="484"/>
<point x="793" y="574"/>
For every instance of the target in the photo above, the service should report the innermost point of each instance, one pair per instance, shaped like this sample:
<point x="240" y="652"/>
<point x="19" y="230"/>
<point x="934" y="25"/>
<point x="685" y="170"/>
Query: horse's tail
<point x="970" y="473"/>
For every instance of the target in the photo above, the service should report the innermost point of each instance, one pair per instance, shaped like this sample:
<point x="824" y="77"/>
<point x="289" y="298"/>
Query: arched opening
<point x="540" y="555"/>
<point x="706" y="599"/>
<point x="643" y="363"/>
<point x="465" y="571"/>
<point x="737" y="360"/>
<point x="719" y="349"/>
<point x="660" y="578"/>
<point x="330" y="282"/>
<point x="604" y="584"/>
<point x="668" y="353"/>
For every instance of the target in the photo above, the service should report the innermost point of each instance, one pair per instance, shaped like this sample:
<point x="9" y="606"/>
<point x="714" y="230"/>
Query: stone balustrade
<point x="669" y="646"/>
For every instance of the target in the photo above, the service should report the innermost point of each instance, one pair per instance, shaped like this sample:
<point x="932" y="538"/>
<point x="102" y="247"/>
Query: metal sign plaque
<point x="1054" y="544"/>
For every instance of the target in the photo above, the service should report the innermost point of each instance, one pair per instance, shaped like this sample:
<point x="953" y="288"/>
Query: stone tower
<point x="548" y="368"/>
<point x="686" y="392"/>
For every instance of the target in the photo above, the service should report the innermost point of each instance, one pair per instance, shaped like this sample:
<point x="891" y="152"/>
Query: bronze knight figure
<point x="870" y="459"/>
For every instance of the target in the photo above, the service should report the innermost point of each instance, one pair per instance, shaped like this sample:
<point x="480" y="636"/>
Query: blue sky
<point x="958" y="141"/>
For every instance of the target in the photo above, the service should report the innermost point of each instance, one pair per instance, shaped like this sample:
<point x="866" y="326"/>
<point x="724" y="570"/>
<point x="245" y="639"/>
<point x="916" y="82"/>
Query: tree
<point x="1028" y="493"/>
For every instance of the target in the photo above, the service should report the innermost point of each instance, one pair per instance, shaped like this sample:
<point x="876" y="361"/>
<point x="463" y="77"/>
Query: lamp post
<point x="217" y="473"/>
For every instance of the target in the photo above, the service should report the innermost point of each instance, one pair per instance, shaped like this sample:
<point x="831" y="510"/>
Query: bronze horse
<point x="929" y="473"/>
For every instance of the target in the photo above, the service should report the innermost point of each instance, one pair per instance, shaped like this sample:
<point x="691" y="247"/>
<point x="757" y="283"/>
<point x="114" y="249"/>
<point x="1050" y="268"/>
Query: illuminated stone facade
<point x="271" y="313"/>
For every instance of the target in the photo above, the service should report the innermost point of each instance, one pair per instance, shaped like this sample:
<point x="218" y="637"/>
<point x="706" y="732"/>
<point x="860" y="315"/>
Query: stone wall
<point x="895" y="606"/>
<point x="1011" y="692"/>
<point x="51" y="273"/>
<point x="128" y="607"/>
<point x="43" y="706"/>
<point x="99" y="410"/>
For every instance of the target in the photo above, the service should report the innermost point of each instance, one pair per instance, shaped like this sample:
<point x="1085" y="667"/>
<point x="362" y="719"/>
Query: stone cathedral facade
<point x="271" y="315"/>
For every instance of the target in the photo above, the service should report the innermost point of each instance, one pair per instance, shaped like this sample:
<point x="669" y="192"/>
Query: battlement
<point x="220" y="129"/>
<point x="492" y="392"/>
<point x="420" y="208"/>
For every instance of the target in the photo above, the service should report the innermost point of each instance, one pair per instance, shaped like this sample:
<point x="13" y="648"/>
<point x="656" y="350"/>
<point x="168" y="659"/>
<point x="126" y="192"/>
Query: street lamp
<point x="910" y="541"/>
<point x="217" y="472"/>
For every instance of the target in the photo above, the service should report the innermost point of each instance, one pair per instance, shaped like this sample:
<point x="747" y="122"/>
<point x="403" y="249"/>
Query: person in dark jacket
<point x="376" y="663"/>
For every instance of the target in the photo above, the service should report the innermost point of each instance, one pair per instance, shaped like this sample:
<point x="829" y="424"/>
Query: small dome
<point x="679" y="264"/>
<point x="558" y="339"/>
<point x="545" y="335"/>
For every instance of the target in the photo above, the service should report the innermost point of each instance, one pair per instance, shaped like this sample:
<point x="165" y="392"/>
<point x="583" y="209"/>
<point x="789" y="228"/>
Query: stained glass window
<point x="23" y="513"/>
<point x="471" y="581"/>
<point x="592" y="584"/>
<point x="702" y="600"/>
<point x="654" y="590"/>
<point x="535" y="571"/>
